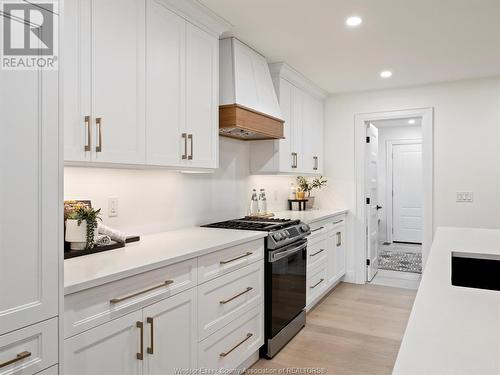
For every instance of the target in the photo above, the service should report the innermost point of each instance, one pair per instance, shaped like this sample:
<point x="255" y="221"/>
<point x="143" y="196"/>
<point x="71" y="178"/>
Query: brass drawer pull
<point x="151" y="348"/>
<point x="315" y="285"/>
<point x="248" y="253"/>
<point x="294" y="160"/>
<point x="190" y="137"/>
<point x="339" y="239"/>
<point x="87" y="125"/>
<point x="315" y="158"/>
<point x="337" y="222"/>
<point x="18" y="358"/>
<point x="121" y="299"/>
<point x="98" y="122"/>
<point x="315" y="230"/>
<point x="184" y="156"/>
<point x="238" y="344"/>
<point x="140" y="355"/>
<point x="317" y="252"/>
<point x="236" y="296"/>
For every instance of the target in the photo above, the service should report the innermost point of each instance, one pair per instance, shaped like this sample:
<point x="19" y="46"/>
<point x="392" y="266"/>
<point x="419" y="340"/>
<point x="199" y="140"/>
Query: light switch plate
<point x="465" y="196"/>
<point x="112" y="206"/>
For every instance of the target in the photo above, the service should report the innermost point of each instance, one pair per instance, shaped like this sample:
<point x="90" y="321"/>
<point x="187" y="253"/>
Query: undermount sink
<point x="480" y="271"/>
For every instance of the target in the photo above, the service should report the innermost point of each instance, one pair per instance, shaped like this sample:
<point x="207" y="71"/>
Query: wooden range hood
<point x="248" y="105"/>
<point x="237" y="121"/>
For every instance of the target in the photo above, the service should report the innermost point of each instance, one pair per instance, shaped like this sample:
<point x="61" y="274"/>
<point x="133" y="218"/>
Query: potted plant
<point x="81" y="227"/>
<point x="306" y="187"/>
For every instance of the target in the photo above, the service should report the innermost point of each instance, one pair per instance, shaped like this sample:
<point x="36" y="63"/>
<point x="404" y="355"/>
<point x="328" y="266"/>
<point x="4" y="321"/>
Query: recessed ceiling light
<point x="411" y="122"/>
<point x="353" y="21"/>
<point x="386" y="74"/>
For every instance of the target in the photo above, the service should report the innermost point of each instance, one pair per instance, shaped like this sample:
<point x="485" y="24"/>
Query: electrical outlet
<point x="112" y="206"/>
<point x="465" y="196"/>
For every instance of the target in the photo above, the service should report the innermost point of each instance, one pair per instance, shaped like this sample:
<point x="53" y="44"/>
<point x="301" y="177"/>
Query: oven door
<point x="287" y="272"/>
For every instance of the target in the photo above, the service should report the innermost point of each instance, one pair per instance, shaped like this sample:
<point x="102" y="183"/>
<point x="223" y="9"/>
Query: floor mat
<point x="403" y="261"/>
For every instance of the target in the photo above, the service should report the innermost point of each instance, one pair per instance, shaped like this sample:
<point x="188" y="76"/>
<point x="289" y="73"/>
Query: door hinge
<point x="367" y="139"/>
<point x="368" y="262"/>
<point x="367" y="200"/>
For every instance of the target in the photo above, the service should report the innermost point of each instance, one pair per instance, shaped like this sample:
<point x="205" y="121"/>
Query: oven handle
<point x="277" y="255"/>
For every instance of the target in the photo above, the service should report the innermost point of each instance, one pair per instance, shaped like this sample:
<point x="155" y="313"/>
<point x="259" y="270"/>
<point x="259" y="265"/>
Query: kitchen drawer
<point x="317" y="253"/>
<point x="317" y="282"/>
<point x="229" y="296"/>
<point x="319" y="232"/>
<point x="91" y="307"/>
<point x="229" y="347"/>
<point x="223" y="261"/>
<point x="35" y="347"/>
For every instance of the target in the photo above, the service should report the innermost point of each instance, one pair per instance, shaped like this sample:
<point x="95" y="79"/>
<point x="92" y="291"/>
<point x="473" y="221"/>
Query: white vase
<point x="310" y="203"/>
<point x="77" y="234"/>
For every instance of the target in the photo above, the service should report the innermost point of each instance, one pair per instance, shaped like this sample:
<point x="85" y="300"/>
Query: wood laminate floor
<point x="356" y="330"/>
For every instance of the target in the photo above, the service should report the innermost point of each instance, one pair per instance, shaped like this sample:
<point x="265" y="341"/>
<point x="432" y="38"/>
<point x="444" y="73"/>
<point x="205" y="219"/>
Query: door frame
<point x="360" y="120"/>
<point x="389" y="177"/>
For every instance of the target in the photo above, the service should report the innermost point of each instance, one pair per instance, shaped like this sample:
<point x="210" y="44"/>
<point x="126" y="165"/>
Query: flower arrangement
<point x="83" y="213"/>
<point x="304" y="185"/>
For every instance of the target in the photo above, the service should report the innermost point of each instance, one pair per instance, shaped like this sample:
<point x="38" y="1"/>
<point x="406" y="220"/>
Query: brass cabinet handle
<point x="87" y="125"/>
<point x="337" y="222"/>
<point x="98" y="122"/>
<point x="184" y="136"/>
<point x="236" y="296"/>
<point x="315" y="285"/>
<point x="190" y="137"/>
<point x="339" y="239"/>
<point x="223" y="354"/>
<point x="315" y="159"/>
<point x="151" y="347"/>
<point x="248" y="253"/>
<point x="294" y="160"/>
<point x="317" y="252"/>
<point x="121" y="299"/>
<point x="18" y="358"/>
<point x="140" y="325"/>
<point x="315" y="230"/>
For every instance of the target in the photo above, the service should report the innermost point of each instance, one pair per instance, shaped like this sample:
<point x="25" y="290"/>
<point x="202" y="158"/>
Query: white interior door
<point x="371" y="215"/>
<point x="407" y="192"/>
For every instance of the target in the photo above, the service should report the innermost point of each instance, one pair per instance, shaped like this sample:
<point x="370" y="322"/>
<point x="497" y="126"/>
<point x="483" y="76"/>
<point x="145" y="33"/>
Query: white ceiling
<point x="420" y="41"/>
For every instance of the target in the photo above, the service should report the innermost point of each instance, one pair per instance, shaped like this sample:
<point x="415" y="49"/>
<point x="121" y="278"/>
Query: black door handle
<point x="379" y="207"/>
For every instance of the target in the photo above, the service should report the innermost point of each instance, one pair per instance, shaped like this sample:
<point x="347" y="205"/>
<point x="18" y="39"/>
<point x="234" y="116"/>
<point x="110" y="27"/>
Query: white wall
<point x="385" y="134"/>
<point x="152" y="200"/>
<point x="466" y="147"/>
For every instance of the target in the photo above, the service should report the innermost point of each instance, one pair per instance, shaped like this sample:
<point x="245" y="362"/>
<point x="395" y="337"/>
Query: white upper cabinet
<point x="245" y="79"/>
<point x="104" y="81"/>
<point x="141" y="84"/>
<point x="301" y="151"/>
<point x="30" y="188"/>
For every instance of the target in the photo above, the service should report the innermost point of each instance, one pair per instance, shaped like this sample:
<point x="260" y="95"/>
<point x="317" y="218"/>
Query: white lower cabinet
<point x="146" y="325"/>
<point x="170" y="334"/>
<point x="326" y="261"/>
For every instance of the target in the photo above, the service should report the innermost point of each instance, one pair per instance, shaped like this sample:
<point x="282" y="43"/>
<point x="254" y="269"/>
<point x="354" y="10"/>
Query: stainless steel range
<point x="285" y="276"/>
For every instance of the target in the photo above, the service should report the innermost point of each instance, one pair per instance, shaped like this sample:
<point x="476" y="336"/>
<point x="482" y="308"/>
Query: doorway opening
<point x="394" y="193"/>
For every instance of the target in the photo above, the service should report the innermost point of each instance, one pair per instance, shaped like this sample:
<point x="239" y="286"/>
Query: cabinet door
<point x="110" y="348"/>
<point x="118" y="82"/>
<point x="30" y="177"/>
<point x="165" y="67"/>
<point x="297" y="128"/>
<point x="340" y="250"/>
<point x="308" y="134"/>
<point x="76" y="51"/>
<point x="171" y="334"/>
<point x="318" y="126"/>
<point x="202" y="111"/>
<point x="286" y="159"/>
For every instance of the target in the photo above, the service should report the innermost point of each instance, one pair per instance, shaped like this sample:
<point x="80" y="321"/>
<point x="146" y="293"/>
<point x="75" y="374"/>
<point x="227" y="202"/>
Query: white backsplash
<point x="153" y="200"/>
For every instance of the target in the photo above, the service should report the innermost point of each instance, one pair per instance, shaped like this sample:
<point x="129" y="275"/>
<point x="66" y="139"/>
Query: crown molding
<point x="297" y="79"/>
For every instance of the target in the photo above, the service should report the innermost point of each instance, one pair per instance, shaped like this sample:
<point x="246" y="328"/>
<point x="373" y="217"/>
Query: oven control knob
<point x="277" y="236"/>
<point x="304" y="228"/>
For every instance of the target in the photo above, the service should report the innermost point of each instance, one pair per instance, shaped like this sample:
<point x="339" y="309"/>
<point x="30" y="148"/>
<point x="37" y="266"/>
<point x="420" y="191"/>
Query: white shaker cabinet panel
<point x="30" y="234"/>
<point x="171" y="334"/>
<point x="118" y="82"/>
<point x="165" y="105"/>
<point x="111" y="348"/>
<point x="202" y="116"/>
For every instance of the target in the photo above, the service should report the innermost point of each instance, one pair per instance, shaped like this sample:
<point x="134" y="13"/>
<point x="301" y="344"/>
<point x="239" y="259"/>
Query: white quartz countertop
<point x="153" y="251"/>
<point x="453" y="330"/>
<point x="309" y="216"/>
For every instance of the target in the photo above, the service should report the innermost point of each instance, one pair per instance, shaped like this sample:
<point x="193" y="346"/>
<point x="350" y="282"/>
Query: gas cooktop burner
<point x="255" y="223"/>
